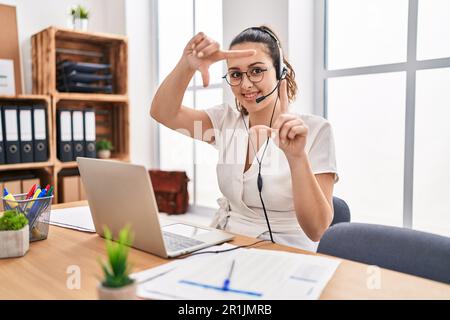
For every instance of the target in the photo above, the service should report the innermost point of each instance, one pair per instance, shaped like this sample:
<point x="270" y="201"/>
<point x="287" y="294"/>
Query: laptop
<point x="121" y="193"/>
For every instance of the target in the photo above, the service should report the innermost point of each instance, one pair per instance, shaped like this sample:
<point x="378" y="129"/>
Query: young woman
<point x="277" y="168"/>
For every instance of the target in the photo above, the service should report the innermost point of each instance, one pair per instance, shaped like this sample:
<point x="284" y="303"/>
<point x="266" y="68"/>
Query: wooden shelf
<point x="27" y="165"/>
<point x="98" y="97"/>
<point x="56" y="44"/>
<point x="73" y="164"/>
<point x="111" y="110"/>
<point x="86" y="36"/>
<point x="25" y="97"/>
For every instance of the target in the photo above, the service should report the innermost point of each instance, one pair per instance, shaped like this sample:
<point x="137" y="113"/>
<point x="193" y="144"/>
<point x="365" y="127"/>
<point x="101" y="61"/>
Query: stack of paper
<point x="78" y="218"/>
<point x="251" y="274"/>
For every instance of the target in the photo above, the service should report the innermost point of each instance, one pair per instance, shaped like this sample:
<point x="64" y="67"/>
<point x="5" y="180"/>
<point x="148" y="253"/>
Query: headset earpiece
<point x="283" y="72"/>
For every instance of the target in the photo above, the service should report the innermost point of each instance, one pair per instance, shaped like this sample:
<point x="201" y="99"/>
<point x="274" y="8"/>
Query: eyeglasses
<point x="234" y="77"/>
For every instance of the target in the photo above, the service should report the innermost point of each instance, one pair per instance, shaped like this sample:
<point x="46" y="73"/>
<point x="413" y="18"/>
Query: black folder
<point x="26" y="134"/>
<point x="40" y="134"/>
<point x="11" y="130"/>
<point x="2" y="146"/>
<point x="89" y="132"/>
<point x="78" y="133"/>
<point x="64" y="134"/>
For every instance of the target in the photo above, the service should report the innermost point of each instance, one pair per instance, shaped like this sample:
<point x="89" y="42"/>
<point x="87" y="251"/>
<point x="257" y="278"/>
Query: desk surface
<point x="44" y="271"/>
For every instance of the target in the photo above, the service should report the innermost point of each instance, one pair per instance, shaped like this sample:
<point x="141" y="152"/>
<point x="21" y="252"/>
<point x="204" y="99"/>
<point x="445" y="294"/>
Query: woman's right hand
<point x="202" y="51"/>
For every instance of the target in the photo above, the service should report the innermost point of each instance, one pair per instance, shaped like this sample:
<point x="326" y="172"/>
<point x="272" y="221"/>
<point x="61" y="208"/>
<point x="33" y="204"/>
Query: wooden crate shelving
<point x="112" y="110"/>
<point x="55" y="44"/>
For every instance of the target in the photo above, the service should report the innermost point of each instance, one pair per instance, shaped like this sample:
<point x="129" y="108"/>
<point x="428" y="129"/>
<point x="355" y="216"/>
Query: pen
<point x="47" y="202"/>
<point x="34" y="212"/>
<point x="8" y="196"/>
<point x="226" y="283"/>
<point x="31" y="192"/>
<point x="36" y="194"/>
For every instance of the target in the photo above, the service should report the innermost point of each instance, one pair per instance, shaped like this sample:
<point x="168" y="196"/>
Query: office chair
<point x="341" y="211"/>
<point x="409" y="251"/>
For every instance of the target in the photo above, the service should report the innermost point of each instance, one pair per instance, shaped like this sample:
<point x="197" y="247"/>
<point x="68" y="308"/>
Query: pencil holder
<point x="36" y="210"/>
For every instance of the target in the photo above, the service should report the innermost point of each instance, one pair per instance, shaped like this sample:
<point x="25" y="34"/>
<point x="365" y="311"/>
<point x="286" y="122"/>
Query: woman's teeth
<point x="251" y="95"/>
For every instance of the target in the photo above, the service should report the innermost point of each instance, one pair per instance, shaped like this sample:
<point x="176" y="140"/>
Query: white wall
<point x="140" y="25"/>
<point x="34" y="16"/>
<point x="301" y="51"/>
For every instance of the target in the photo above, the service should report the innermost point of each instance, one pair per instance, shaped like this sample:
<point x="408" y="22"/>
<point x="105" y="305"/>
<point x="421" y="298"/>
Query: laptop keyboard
<point x="175" y="242"/>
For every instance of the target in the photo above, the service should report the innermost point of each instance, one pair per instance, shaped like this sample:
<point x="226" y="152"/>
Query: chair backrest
<point x="409" y="251"/>
<point x="341" y="211"/>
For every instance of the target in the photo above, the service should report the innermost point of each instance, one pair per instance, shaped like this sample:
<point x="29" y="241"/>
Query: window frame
<point x="411" y="66"/>
<point x="194" y="88"/>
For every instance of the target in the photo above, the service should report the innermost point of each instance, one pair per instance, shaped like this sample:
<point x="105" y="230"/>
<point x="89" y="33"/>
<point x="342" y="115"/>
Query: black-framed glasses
<point x="234" y="77"/>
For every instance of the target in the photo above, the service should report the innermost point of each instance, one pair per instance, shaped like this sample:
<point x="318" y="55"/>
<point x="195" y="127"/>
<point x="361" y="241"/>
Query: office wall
<point x="139" y="25"/>
<point x="33" y="16"/>
<point x="301" y="51"/>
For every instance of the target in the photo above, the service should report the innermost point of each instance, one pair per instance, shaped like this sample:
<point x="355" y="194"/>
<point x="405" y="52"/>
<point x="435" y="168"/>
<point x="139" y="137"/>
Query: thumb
<point x="205" y="76"/>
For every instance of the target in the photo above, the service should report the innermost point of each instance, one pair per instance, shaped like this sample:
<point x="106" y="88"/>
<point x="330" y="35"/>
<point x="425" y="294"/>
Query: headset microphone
<point x="258" y="100"/>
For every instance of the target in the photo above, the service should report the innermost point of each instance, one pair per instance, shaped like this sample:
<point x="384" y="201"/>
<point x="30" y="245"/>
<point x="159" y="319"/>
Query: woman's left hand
<point x="290" y="130"/>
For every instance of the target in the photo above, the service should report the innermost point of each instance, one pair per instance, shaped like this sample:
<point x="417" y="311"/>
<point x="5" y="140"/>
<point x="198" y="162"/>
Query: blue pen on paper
<point x="224" y="287"/>
<point x="226" y="282"/>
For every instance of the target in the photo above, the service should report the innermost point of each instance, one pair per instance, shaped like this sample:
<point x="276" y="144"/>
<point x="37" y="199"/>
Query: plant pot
<point x="14" y="243"/>
<point x="123" y="293"/>
<point x="104" y="154"/>
<point x="80" y="24"/>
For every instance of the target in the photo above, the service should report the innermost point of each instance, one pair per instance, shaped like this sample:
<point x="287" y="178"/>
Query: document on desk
<point x="240" y="274"/>
<point x="77" y="218"/>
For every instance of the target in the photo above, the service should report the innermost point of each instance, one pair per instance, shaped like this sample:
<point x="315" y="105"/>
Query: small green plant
<point x="104" y="145"/>
<point x="79" y="12"/>
<point x="116" y="270"/>
<point x="12" y="220"/>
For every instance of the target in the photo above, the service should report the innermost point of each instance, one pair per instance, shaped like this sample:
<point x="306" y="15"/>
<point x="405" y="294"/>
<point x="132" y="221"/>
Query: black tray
<point x="83" y="87"/>
<point x="75" y="76"/>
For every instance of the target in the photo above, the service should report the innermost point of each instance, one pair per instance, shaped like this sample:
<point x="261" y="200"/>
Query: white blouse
<point x="241" y="209"/>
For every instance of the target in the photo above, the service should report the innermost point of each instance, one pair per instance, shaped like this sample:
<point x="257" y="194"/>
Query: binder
<point x="40" y="134"/>
<point x="2" y="146"/>
<point x="11" y="130"/>
<point x="26" y="134"/>
<point x="89" y="132"/>
<point x="65" y="147"/>
<point x="78" y="133"/>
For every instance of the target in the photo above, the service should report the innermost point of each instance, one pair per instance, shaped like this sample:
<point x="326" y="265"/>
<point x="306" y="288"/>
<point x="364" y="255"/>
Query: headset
<point x="281" y="74"/>
<point x="281" y="70"/>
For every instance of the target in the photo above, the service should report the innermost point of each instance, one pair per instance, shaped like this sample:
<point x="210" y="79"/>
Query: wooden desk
<point x="42" y="272"/>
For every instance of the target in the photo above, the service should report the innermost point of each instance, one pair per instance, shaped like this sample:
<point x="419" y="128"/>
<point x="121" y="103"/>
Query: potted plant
<point x="116" y="284"/>
<point x="14" y="234"/>
<point x="104" y="148"/>
<point x="80" y="17"/>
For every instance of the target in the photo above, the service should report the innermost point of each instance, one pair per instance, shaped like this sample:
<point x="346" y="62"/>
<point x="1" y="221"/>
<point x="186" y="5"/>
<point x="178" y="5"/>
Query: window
<point x="178" y="152"/>
<point x="383" y="84"/>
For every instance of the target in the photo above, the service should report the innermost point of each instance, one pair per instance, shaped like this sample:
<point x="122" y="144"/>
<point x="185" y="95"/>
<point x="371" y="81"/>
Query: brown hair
<point x="264" y="34"/>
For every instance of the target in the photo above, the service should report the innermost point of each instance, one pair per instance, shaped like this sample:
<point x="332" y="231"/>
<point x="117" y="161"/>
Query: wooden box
<point x="53" y="45"/>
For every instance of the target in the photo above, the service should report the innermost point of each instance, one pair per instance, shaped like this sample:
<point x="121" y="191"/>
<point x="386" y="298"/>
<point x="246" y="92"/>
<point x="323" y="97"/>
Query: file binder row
<point x="23" y="134"/>
<point x="76" y="134"/>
